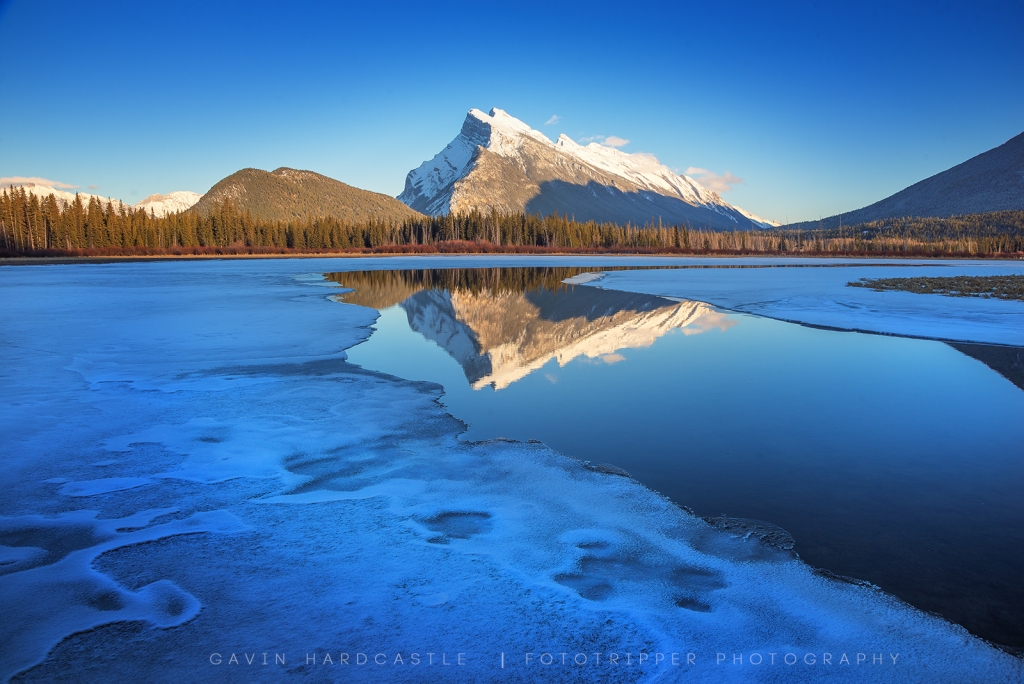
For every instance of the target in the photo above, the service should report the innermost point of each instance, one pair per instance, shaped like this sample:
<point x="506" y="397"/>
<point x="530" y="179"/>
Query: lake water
<point x="897" y="461"/>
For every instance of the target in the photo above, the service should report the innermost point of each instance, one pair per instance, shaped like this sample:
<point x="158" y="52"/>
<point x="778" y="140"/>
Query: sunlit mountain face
<point x="502" y="324"/>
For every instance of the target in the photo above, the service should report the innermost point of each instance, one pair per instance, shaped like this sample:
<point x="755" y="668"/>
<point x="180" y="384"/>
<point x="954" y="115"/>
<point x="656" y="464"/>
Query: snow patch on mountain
<point x="765" y="223"/>
<point x="640" y="168"/>
<point x="170" y="203"/>
<point x="64" y="198"/>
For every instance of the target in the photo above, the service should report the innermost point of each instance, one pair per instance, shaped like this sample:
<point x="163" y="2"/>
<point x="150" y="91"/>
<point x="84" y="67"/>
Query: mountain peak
<point x="499" y="162"/>
<point x="501" y="127"/>
<point x="495" y="113"/>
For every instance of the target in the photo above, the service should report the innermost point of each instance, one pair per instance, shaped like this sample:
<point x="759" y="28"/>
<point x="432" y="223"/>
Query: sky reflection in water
<point x="894" y="460"/>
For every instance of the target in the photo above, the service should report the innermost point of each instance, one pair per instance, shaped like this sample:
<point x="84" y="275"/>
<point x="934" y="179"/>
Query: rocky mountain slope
<point x="991" y="181"/>
<point x="285" y="194"/>
<point x="498" y="162"/>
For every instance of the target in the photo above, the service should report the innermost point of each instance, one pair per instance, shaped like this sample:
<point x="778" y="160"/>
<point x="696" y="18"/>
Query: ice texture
<point x="261" y="495"/>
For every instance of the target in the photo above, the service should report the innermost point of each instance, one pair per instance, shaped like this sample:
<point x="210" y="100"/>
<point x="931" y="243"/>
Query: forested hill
<point x="288" y="194"/>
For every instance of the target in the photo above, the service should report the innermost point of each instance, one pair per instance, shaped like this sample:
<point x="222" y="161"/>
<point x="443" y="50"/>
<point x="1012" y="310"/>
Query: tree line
<point x="30" y="225"/>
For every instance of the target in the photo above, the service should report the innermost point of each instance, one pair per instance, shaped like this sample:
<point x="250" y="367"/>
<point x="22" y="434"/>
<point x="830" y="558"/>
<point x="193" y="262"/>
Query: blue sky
<point x="818" y="107"/>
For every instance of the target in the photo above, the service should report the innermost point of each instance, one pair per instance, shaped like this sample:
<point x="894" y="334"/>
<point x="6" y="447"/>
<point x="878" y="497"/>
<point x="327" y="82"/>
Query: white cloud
<point x="713" y="181"/>
<point x="15" y="181"/>
<point x="607" y="140"/>
<point x="553" y="120"/>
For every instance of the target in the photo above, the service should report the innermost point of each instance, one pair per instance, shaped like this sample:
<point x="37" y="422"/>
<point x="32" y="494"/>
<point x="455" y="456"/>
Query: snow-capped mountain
<point x="63" y="196"/>
<point x="160" y="205"/>
<point x="171" y="203"/>
<point x="499" y="162"/>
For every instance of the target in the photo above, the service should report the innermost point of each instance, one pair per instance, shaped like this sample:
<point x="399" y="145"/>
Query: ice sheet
<point x="298" y="506"/>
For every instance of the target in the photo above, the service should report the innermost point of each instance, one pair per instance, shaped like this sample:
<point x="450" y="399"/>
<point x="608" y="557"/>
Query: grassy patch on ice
<point x="998" y="287"/>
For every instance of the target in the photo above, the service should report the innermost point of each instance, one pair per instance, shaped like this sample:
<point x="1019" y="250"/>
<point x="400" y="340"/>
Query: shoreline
<point x="116" y="259"/>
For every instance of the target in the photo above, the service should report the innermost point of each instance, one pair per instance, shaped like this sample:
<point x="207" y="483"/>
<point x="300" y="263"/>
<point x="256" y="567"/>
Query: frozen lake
<point x="898" y="461"/>
<point x="200" y="484"/>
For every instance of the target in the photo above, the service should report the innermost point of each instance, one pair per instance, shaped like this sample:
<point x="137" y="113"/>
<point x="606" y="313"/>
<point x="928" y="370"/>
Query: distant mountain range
<point x="285" y="194"/>
<point x="280" y="195"/>
<point x="498" y="162"/>
<point x="991" y="181"/>
<point x="159" y="205"/>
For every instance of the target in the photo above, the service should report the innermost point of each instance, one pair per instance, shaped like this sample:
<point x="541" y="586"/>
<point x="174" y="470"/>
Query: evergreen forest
<point x="33" y="226"/>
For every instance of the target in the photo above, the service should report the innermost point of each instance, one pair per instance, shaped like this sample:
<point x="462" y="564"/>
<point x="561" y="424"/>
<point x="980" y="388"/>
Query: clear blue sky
<point x="819" y="107"/>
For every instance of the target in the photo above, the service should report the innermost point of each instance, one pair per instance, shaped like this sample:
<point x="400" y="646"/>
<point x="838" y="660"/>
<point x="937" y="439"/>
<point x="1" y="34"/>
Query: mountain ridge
<point x="158" y="204"/>
<point x="987" y="182"/>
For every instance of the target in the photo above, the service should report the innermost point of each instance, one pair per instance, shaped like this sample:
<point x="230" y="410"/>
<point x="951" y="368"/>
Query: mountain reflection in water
<point x="502" y="324"/>
<point x="893" y="460"/>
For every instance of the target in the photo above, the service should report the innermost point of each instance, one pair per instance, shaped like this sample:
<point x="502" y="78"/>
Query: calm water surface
<point x="893" y="460"/>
